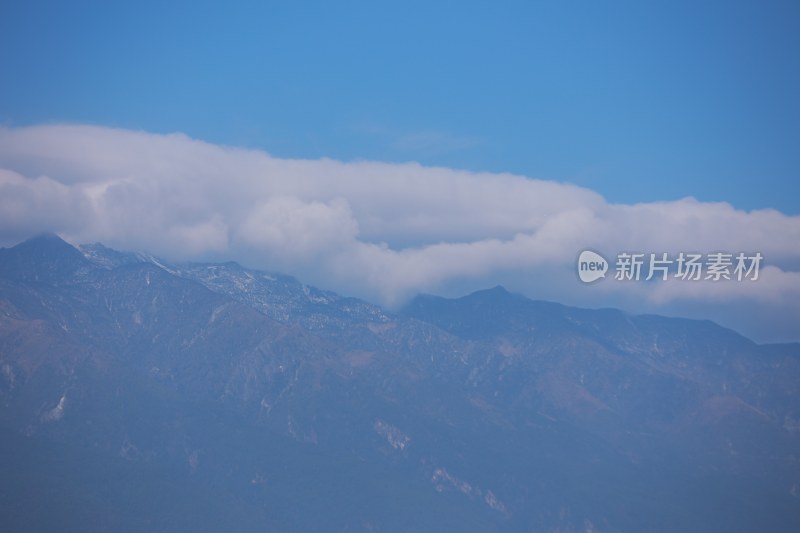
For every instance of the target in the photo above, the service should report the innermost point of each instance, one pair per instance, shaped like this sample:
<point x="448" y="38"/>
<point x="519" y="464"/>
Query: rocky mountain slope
<point x="137" y="395"/>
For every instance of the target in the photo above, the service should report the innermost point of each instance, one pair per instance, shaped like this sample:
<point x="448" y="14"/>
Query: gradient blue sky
<point x="640" y="101"/>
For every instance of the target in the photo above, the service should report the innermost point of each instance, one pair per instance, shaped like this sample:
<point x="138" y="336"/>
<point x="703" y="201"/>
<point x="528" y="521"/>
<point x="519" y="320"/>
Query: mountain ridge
<point x="485" y="413"/>
<point x="107" y="257"/>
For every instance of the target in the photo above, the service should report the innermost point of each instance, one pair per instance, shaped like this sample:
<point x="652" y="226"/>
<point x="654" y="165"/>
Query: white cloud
<point x="381" y="231"/>
<point x="296" y="230"/>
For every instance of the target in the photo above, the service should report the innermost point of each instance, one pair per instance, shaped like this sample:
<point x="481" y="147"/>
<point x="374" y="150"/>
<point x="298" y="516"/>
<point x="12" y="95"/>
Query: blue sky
<point x="385" y="149"/>
<point x="639" y="101"/>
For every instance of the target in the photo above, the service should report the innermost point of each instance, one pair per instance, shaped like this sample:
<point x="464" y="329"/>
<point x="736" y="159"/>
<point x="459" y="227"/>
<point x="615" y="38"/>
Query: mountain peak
<point x="45" y="238"/>
<point x="494" y="293"/>
<point x="44" y="258"/>
<point x="496" y="290"/>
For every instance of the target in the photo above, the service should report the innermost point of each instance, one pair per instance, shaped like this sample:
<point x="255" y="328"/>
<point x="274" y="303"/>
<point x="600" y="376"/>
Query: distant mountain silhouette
<point x="138" y="395"/>
<point x="45" y="259"/>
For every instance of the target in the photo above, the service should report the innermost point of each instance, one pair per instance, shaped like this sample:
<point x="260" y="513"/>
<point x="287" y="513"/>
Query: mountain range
<point x="141" y="395"/>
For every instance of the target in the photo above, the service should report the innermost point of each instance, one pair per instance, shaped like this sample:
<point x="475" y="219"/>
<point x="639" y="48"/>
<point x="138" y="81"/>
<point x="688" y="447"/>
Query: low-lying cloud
<point x="383" y="231"/>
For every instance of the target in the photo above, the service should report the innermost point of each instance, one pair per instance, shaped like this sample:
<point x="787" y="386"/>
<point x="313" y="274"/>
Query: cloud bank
<point x="383" y="231"/>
